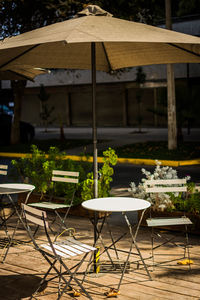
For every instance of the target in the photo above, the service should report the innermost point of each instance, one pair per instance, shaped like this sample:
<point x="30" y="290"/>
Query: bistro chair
<point x="55" y="253"/>
<point x="3" y="204"/>
<point x="62" y="177"/>
<point x="167" y="186"/>
<point x="3" y="169"/>
<point x="197" y="188"/>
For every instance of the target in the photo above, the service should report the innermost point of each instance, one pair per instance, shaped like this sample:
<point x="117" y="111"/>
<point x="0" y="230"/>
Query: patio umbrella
<point x="98" y="41"/>
<point x="19" y="72"/>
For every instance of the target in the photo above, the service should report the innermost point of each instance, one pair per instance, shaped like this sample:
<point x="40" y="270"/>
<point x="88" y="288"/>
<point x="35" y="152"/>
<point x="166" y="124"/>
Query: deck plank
<point x="170" y="281"/>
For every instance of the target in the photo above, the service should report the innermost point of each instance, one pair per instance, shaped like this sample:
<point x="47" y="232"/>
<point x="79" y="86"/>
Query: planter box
<point x="8" y="211"/>
<point x="33" y="198"/>
<point x="76" y="210"/>
<point x="194" y="228"/>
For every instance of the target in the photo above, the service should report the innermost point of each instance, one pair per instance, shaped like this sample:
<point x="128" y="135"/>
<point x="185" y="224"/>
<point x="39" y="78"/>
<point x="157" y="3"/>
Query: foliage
<point x="105" y="177"/>
<point x="153" y="150"/>
<point x="159" y="201"/>
<point x="18" y="16"/>
<point x="46" y="143"/>
<point x="37" y="170"/>
<point x="140" y="76"/>
<point x="46" y="111"/>
<point x="191" y="7"/>
<point x="140" y="79"/>
<point x="186" y="111"/>
<point x="189" y="202"/>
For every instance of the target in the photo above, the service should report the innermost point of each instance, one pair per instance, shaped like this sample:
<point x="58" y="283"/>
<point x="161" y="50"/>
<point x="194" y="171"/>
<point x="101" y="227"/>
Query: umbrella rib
<point x="106" y="55"/>
<point x="16" y="57"/>
<point x="183" y="49"/>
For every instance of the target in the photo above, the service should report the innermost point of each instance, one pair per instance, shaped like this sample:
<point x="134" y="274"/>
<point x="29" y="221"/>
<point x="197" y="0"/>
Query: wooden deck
<point x="21" y="272"/>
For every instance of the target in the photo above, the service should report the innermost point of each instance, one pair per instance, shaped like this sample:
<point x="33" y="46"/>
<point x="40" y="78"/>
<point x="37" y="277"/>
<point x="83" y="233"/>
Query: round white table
<point x="9" y="189"/>
<point x="116" y="204"/>
<point x="123" y="205"/>
<point x="15" y="188"/>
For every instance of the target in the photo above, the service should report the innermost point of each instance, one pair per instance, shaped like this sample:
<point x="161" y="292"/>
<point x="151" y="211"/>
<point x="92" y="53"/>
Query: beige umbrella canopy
<point x="119" y="44"/>
<point x="18" y="72"/>
<point x="95" y="40"/>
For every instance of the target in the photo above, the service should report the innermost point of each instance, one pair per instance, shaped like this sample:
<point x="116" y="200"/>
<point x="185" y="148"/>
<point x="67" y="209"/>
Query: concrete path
<point x="112" y="136"/>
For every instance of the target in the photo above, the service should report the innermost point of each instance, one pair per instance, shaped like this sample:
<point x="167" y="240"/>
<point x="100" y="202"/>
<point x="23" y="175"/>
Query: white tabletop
<point x="15" y="188"/>
<point x="116" y="204"/>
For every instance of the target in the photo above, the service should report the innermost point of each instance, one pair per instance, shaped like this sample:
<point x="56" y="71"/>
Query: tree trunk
<point x="18" y="91"/>
<point x="172" y="126"/>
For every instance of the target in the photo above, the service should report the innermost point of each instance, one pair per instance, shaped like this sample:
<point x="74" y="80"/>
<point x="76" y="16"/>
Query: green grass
<point x="45" y="144"/>
<point x="159" y="150"/>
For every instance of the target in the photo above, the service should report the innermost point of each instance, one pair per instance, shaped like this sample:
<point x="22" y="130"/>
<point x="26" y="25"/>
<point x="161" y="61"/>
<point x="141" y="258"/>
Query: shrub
<point x="160" y="201"/>
<point x="191" y="202"/>
<point x="104" y="180"/>
<point x="37" y="169"/>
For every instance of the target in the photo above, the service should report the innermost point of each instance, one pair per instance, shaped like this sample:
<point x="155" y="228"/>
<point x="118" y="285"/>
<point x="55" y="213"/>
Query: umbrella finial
<point x="93" y="10"/>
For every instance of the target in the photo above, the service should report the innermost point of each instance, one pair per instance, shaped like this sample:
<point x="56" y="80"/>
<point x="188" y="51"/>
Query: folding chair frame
<point x="112" y="246"/>
<point x="3" y="171"/>
<point x="59" y="251"/>
<point x="164" y="186"/>
<point x="65" y="177"/>
<point x="19" y="215"/>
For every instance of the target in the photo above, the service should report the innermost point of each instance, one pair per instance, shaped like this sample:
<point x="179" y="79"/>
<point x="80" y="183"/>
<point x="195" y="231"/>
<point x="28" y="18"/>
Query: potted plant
<point x="105" y="174"/>
<point x="36" y="168"/>
<point x="169" y="204"/>
<point x="105" y="177"/>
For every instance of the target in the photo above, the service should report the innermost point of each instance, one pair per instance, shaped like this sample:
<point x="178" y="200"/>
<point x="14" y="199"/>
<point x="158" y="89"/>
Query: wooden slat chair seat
<point x="63" y="177"/>
<point x="69" y="248"/>
<point x="57" y="252"/>
<point x="166" y="186"/>
<point x="168" y="221"/>
<point x="3" y="172"/>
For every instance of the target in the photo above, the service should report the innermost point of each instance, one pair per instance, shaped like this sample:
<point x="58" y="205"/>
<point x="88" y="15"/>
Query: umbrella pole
<point x="94" y="133"/>
<point x="94" y="127"/>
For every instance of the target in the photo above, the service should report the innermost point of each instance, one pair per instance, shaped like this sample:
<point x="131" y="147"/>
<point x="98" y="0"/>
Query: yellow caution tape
<point x="97" y="260"/>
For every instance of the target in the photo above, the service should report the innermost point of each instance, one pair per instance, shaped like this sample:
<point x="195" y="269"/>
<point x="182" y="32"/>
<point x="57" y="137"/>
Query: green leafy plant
<point x="46" y="110"/>
<point x="140" y="79"/>
<point x="37" y="169"/>
<point x="105" y="177"/>
<point x="189" y="202"/>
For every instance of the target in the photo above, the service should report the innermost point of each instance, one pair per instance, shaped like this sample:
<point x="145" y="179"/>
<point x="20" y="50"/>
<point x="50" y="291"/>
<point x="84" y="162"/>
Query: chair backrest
<point x="197" y="188"/>
<point x="165" y="185"/>
<point x="65" y="176"/>
<point x="3" y="169"/>
<point x="34" y="215"/>
<point x="39" y="218"/>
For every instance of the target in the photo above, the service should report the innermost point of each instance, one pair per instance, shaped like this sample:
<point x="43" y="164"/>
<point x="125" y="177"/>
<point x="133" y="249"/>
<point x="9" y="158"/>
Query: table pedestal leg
<point x="133" y="237"/>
